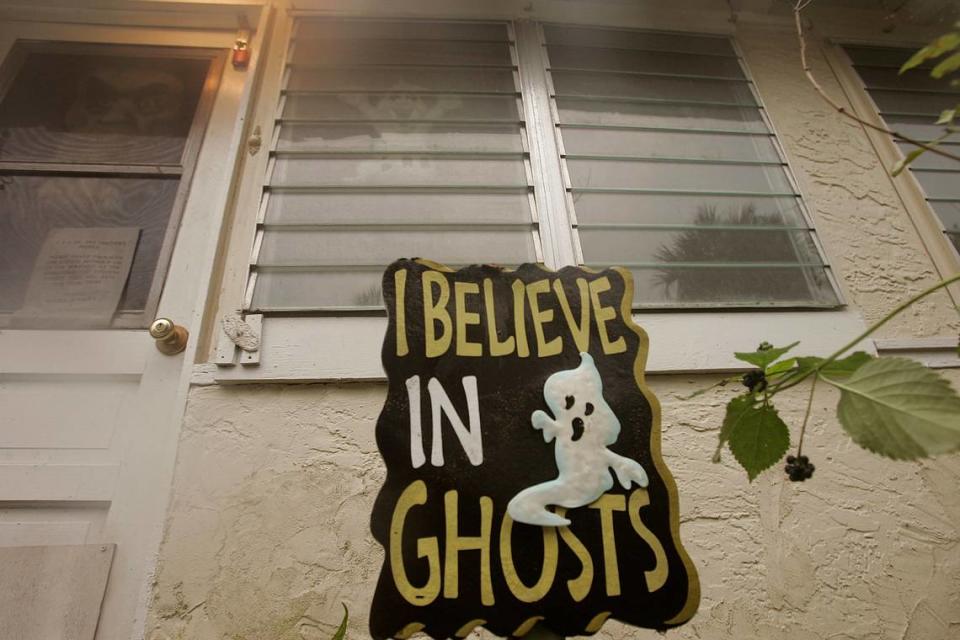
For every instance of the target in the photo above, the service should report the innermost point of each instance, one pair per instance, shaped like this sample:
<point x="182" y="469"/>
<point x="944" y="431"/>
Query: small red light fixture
<point x="241" y="50"/>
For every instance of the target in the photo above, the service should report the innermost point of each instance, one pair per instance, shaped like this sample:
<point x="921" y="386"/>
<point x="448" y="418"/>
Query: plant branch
<point x="806" y="415"/>
<point x="797" y="9"/>
<point x="876" y="325"/>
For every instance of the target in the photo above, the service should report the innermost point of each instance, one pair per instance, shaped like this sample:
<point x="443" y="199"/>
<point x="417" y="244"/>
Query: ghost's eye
<point x="588" y="409"/>
<point x="570" y="400"/>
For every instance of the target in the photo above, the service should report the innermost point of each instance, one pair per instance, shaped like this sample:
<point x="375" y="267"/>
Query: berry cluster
<point x="755" y="380"/>
<point x="799" y="468"/>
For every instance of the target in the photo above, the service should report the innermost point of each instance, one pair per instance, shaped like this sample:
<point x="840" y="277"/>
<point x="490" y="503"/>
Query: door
<point x="113" y="180"/>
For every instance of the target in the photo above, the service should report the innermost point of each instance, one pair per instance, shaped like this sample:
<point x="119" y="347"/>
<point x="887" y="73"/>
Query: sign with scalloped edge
<point x="524" y="479"/>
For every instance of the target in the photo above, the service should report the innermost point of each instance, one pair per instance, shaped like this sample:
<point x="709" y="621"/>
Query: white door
<point x="105" y="127"/>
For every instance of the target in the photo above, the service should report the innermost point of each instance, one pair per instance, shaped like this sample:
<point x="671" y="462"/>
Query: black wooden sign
<point x="524" y="478"/>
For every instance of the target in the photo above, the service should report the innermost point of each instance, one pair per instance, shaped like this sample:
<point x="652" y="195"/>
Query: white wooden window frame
<point x="329" y="348"/>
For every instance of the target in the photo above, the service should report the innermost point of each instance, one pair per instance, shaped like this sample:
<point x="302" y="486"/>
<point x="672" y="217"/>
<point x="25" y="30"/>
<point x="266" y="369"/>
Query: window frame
<point x="9" y="67"/>
<point x="323" y="347"/>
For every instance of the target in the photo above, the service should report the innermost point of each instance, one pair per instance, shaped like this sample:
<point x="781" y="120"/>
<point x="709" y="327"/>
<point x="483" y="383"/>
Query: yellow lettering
<point x="547" y="573"/>
<point x="607" y="504"/>
<point x="455" y="543"/>
<point x="580" y="332"/>
<point x="497" y="348"/>
<point x="540" y="318"/>
<point x="519" y="322"/>
<point x="657" y="576"/>
<point x="436" y="312"/>
<point x="400" y="289"/>
<point x="415" y="494"/>
<point x="603" y="315"/>
<point x="579" y="587"/>
<point x="464" y="318"/>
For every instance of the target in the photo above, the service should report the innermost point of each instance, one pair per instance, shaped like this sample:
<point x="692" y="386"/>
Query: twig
<point x="800" y="6"/>
<point x="806" y="416"/>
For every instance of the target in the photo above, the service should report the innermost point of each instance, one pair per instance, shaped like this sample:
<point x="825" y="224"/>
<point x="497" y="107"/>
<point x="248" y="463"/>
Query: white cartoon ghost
<point x="584" y="426"/>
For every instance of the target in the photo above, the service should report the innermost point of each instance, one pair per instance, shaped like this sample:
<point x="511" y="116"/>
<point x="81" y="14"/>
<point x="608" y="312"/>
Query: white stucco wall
<point x="268" y="525"/>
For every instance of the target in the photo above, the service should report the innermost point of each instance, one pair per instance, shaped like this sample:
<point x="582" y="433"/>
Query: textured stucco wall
<point x="267" y="531"/>
<point x="268" y="525"/>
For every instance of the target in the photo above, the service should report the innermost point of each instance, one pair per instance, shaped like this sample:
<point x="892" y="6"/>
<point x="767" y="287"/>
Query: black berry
<point x="755" y="380"/>
<point x="799" y="468"/>
<point x="765" y="346"/>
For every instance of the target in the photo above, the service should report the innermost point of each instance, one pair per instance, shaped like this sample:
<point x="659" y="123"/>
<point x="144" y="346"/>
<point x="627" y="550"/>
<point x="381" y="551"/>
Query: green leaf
<point x="903" y="162"/>
<point x="839" y="368"/>
<point x="899" y="408"/>
<point x="736" y="409"/>
<point x="758" y="439"/>
<point x="949" y="65"/>
<point x="762" y="359"/>
<point x="943" y="44"/>
<point x="947" y="115"/>
<point x="846" y="366"/>
<point x="342" y="629"/>
<point x="780" y="367"/>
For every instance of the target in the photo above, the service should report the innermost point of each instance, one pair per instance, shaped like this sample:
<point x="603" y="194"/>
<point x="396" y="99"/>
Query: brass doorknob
<point x="170" y="338"/>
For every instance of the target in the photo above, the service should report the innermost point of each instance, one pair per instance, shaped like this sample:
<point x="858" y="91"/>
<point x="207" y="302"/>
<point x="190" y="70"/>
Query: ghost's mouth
<point x="577" y="425"/>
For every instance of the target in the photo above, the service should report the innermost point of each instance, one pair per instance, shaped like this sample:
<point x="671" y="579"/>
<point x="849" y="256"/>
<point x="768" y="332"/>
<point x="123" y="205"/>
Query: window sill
<point x="313" y="349"/>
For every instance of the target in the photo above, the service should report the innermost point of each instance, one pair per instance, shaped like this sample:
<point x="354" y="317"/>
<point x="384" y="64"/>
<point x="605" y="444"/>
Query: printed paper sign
<point x="78" y="277"/>
<point x="524" y="478"/>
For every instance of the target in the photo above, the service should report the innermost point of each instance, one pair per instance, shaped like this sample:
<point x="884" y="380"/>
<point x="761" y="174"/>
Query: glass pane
<point x="358" y="106"/>
<point x="334" y="52"/>
<point x="955" y="239"/>
<point x="883" y="57"/>
<point x="663" y="209"/>
<point x="681" y="176"/>
<point x="397" y="208"/>
<point x="30" y="206"/>
<point x="883" y="78"/>
<point x="918" y="127"/>
<point x="579" y="111"/>
<point x="625" y="39"/>
<point x="563" y="57"/>
<point x="364" y="29"/>
<point x="291" y="291"/>
<point x="382" y="171"/>
<point x="949" y="213"/>
<point x="401" y="79"/>
<point x="939" y="184"/>
<point x="724" y="246"/>
<point x="929" y="160"/>
<point x="744" y="287"/>
<point x="400" y="137"/>
<point x="927" y="103"/>
<point x="573" y="83"/>
<point x="339" y="247"/>
<point x="656" y="144"/>
<point x="69" y="107"/>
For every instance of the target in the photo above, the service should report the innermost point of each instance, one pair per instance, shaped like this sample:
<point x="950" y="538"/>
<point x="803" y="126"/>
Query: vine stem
<point x="876" y="325"/>
<point x="806" y="416"/>
<point x="800" y="6"/>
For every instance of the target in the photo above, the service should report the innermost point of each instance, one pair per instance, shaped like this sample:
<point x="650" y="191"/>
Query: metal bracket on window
<point x="238" y="334"/>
